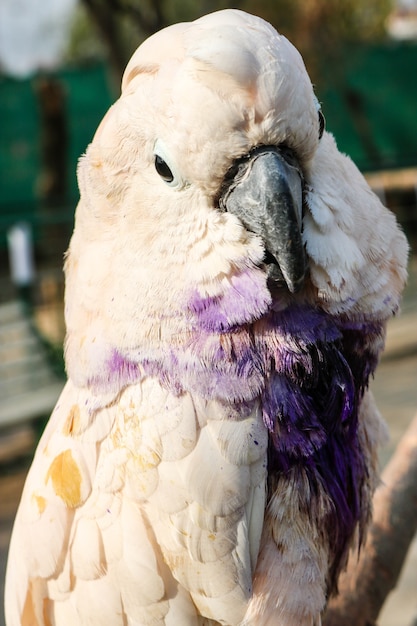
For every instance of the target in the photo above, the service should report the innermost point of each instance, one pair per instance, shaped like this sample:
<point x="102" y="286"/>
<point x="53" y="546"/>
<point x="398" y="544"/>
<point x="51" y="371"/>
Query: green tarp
<point x="86" y="97"/>
<point x="370" y="105"/>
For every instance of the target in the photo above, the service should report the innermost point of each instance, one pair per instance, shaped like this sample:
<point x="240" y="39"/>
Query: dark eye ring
<point x="322" y="124"/>
<point x="163" y="169"/>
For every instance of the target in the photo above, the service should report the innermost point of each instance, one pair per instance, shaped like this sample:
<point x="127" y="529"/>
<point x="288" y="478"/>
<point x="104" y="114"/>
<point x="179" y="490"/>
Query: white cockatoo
<point x="212" y="457"/>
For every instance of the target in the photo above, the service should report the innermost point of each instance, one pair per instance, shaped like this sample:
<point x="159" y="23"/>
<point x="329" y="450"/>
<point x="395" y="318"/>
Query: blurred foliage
<point x="85" y="44"/>
<point x="320" y="29"/>
<point x="323" y="29"/>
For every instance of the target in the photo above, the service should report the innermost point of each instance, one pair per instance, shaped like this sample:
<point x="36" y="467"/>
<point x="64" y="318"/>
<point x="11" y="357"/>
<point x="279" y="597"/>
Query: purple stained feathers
<point x="307" y="368"/>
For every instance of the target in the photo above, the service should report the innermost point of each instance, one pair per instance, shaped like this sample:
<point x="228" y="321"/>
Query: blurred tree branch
<point x="124" y="24"/>
<point x="102" y="15"/>
<point x="367" y="582"/>
<point x="110" y="18"/>
<point x="148" y="22"/>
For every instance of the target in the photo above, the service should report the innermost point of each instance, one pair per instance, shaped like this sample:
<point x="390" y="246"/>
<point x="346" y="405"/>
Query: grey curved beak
<point x="265" y="192"/>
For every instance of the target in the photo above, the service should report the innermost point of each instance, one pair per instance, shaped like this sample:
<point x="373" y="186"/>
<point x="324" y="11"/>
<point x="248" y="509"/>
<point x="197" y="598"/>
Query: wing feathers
<point x="87" y="550"/>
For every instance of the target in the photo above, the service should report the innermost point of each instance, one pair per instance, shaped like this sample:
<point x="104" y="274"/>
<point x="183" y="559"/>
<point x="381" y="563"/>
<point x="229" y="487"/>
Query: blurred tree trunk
<point x="54" y="140"/>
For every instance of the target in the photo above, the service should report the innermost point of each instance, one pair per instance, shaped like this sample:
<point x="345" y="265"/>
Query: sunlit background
<point x="60" y="67"/>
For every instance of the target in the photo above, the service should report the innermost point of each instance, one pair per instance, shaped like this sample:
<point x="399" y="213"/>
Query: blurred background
<point x="61" y="63"/>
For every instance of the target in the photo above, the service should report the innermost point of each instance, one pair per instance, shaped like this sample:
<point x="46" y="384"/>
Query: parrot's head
<point x="235" y="122"/>
<point x="200" y="192"/>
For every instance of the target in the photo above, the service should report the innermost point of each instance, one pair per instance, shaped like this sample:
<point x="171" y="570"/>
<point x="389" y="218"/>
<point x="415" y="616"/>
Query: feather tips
<point x="358" y="254"/>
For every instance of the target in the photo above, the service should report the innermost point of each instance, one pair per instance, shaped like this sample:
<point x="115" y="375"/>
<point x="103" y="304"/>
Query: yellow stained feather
<point x="66" y="478"/>
<point x="72" y="424"/>
<point x="40" y="502"/>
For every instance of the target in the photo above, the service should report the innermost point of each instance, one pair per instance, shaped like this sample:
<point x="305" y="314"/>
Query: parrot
<point x="214" y="452"/>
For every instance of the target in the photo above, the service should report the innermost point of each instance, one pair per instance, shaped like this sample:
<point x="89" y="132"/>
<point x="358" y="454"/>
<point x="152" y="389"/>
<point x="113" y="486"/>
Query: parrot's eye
<point x="164" y="165"/>
<point x="322" y="124"/>
<point x="163" y="169"/>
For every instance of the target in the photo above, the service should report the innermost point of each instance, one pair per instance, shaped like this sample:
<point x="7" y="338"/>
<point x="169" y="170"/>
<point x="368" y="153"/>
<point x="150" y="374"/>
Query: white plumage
<point x="213" y="454"/>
